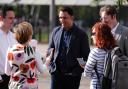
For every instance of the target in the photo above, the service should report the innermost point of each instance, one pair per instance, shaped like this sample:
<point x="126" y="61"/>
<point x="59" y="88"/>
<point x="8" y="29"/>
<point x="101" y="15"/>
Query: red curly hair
<point x="104" y="37"/>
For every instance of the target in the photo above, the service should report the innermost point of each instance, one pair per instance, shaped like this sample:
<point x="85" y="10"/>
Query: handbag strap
<point x="108" y="69"/>
<point x="98" y="77"/>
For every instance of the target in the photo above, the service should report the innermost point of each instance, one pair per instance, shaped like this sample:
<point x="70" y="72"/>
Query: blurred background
<point x="43" y="14"/>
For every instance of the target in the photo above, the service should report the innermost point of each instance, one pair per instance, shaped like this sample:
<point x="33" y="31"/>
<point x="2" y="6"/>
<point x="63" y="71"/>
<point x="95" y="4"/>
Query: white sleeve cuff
<point x="1" y="78"/>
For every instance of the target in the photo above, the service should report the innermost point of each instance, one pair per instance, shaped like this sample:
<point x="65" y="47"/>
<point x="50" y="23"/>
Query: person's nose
<point x="62" y="20"/>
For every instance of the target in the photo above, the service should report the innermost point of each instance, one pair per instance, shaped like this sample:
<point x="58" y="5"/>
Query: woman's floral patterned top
<point x="22" y="64"/>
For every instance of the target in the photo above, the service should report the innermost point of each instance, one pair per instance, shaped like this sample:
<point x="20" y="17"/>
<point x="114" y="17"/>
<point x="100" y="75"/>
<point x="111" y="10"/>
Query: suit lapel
<point x="118" y="32"/>
<point x="58" y="37"/>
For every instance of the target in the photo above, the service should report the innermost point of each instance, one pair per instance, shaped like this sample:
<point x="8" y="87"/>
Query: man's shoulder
<point x="123" y="27"/>
<point x="81" y="31"/>
<point x="57" y="28"/>
<point x="124" y="30"/>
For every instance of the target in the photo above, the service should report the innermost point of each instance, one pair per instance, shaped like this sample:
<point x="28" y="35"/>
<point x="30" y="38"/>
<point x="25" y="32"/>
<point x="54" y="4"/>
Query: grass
<point x="43" y="37"/>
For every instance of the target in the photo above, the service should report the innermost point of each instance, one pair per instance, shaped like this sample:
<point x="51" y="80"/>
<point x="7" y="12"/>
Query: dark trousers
<point x="4" y="84"/>
<point x="59" y="81"/>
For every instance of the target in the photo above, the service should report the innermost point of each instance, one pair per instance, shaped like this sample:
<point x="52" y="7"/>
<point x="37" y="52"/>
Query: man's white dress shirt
<point x="114" y="29"/>
<point x="6" y="40"/>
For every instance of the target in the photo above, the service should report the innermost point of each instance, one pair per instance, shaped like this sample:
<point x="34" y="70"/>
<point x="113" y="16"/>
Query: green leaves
<point x="119" y="2"/>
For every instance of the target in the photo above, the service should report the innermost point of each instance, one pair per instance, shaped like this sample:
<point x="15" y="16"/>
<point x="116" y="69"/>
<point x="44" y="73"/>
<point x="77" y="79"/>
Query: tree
<point x="119" y="2"/>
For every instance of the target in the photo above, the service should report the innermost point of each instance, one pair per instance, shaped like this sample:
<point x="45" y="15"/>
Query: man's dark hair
<point x="67" y="9"/>
<point x="110" y="10"/>
<point x="6" y="9"/>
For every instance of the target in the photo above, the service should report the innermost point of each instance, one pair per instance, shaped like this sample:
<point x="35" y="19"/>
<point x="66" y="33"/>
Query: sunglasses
<point x="93" y="34"/>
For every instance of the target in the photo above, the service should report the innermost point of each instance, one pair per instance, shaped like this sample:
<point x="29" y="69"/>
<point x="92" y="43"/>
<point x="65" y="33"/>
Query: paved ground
<point x="44" y="80"/>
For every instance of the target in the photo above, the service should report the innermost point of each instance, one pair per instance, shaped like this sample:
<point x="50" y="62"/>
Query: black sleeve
<point x="85" y="48"/>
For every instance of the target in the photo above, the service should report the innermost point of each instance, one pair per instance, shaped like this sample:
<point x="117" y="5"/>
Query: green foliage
<point x="119" y="2"/>
<point x="43" y="37"/>
<point x="96" y="1"/>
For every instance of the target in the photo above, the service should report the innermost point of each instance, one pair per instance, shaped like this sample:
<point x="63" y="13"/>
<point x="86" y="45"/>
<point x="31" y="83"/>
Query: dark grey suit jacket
<point x="121" y="35"/>
<point x="78" y="48"/>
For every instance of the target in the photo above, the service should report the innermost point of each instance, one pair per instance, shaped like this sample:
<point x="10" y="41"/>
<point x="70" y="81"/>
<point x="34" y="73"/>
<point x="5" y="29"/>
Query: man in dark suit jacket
<point x="70" y="44"/>
<point x="109" y="15"/>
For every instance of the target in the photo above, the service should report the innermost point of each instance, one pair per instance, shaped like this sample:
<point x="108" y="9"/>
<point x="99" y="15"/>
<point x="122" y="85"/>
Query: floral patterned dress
<point x="22" y="66"/>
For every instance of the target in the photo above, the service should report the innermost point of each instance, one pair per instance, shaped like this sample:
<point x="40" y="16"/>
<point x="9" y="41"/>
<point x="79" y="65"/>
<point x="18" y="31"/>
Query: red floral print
<point x="10" y="56"/>
<point x="33" y="64"/>
<point x="31" y="80"/>
<point x="16" y="78"/>
<point x="24" y="68"/>
<point x="19" y="56"/>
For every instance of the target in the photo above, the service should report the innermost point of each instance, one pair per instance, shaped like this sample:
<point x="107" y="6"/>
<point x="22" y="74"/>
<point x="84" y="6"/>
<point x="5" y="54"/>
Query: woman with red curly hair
<point x="103" y="41"/>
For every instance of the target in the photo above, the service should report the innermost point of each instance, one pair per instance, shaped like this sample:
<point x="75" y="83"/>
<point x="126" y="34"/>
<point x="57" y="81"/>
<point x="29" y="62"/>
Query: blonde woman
<point x="22" y="62"/>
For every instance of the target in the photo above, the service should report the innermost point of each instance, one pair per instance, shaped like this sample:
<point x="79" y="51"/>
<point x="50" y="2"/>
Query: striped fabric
<point x="95" y="58"/>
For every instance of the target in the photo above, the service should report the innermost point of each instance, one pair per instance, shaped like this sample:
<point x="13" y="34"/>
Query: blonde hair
<point x="23" y="31"/>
